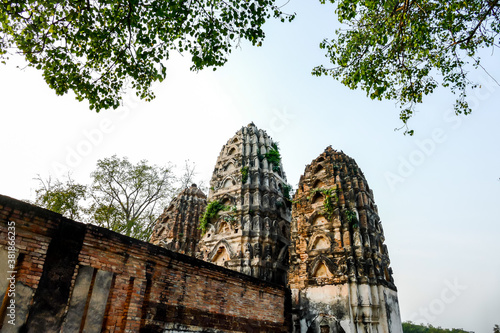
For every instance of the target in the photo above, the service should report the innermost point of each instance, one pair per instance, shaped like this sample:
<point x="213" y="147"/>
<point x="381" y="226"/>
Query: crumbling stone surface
<point x="177" y="229"/>
<point x="251" y="234"/>
<point x="337" y="235"/>
<point x="339" y="265"/>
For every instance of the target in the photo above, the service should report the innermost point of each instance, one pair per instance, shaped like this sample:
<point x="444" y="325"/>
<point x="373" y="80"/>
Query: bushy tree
<point x="128" y="198"/>
<point x="123" y="197"/>
<point x="61" y="197"/>
<point x="409" y="327"/>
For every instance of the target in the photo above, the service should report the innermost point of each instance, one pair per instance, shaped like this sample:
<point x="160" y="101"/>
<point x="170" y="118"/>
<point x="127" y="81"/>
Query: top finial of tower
<point x="251" y="124"/>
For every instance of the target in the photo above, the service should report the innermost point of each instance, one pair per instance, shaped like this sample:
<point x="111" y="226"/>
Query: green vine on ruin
<point x="328" y="205"/>
<point x="351" y="218"/>
<point x="244" y="174"/>
<point x="273" y="156"/>
<point x="287" y="188"/>
<point x="212" y="211"/>
<point x="232" y="216"/>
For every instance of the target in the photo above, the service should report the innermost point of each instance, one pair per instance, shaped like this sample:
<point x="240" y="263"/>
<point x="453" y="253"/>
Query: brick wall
<point x="79" y="277"/>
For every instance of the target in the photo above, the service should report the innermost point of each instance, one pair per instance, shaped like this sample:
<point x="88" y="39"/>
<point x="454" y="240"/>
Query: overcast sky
<point x="437" y="192"/>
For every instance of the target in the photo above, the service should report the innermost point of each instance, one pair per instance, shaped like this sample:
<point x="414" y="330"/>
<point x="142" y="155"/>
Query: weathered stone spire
<point x="177" y="228"/>
<point x="250" y="232"/>
<point x="339" y="266"/>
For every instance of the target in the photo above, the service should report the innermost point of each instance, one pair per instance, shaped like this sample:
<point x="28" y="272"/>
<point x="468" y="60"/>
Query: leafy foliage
<point x="231" y="217"/>
<point x="496" y="329"/>
<point x="351" y="218"/>
<point x="212" y="211"/>
<point x="396" y="50"/>
<point x="97" y="48"/>
<point x="273" y="156"/>
<point x="328" y="205"/>
<point x="128" y="198"/>
<point x="123" y="197"/>
<point x="287" y="188"/>
<point x="244" y="174"/>
<point x="409" y="327"/>
<point x="63" y="198"/>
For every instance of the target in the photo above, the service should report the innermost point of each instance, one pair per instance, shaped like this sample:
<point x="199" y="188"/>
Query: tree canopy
<point x="409" y="327"/>
<point x="97" y="48"/>
<point x="60" y="197"/>
<point x="128" y="198"/>
<point x="123" y="197"/>
<point x="403" y="50"/>
<point x="392" y="49"/>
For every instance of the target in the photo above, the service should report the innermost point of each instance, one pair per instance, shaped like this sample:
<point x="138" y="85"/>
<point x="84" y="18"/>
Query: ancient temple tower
<point x="339" y="266"/>
<point x="177" y="228"/>
<point x="247" y="221"/>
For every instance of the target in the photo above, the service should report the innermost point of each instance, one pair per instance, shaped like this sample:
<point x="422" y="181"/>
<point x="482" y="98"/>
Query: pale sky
<point x="437" y="192"/>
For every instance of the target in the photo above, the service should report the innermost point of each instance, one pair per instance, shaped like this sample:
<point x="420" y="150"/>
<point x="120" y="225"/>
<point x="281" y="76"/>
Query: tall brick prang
<point x="251" y="233"/>
<point x="339" y="274"/>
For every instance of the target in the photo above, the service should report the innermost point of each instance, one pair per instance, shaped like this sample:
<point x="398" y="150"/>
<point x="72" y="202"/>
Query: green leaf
<point x="98" y="51"/>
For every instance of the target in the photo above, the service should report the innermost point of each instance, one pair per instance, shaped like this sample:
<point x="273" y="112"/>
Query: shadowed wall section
<point x="79" y="277"/>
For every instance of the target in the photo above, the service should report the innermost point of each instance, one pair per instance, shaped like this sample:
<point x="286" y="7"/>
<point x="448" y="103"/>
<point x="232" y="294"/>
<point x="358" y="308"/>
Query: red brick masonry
<point x="140" y="287"/>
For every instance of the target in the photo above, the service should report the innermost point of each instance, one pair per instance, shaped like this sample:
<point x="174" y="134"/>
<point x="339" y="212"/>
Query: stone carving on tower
<point x="339" y="273"/>
<point x="177" y="229"/>
<point x="246" y="226"/>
